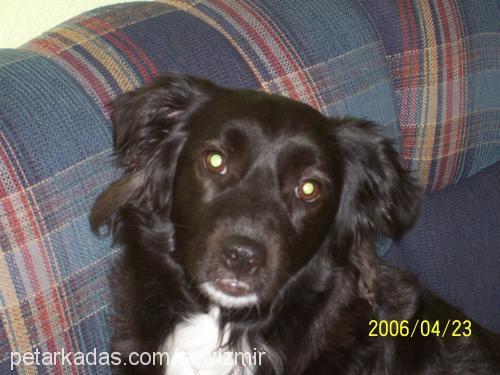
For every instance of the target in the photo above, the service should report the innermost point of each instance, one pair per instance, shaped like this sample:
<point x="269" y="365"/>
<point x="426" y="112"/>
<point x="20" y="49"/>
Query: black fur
<point x="319" y="281"/>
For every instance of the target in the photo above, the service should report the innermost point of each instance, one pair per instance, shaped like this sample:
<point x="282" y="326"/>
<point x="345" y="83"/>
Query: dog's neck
<point x="199" y="346"/>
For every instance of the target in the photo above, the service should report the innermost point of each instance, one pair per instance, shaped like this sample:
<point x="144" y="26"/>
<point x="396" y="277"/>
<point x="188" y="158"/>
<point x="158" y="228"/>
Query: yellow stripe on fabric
<point x="190" y="8"/>
<point x="11" y="314"/>
<point x="426" y="133"/>
<point x="113" y="62"/>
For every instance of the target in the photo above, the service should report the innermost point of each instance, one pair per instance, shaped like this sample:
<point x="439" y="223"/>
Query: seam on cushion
<point x="458" y="152"/>
<point x="183" y="4"/>
<point x="387" y="79"/>
<point x="373" y="44"/>
<point x="466" y="38"/>
<point x="308" y="68"/>
<point x="465" y="114"/>
<point x="438" y="83"/>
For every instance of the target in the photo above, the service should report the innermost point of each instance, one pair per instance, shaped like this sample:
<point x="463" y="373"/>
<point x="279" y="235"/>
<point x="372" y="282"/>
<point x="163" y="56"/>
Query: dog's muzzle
<point x="241" y="258"/>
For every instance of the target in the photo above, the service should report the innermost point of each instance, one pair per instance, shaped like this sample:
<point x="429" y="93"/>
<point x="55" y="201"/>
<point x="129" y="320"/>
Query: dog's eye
<point x="214" y="162"/>
<point x="307" y="191"/>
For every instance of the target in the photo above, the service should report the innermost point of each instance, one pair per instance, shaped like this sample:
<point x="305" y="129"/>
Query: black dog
<point x="248" y="221"/>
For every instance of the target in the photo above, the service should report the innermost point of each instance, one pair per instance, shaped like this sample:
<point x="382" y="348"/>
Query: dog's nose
<point x="242" y="255"/>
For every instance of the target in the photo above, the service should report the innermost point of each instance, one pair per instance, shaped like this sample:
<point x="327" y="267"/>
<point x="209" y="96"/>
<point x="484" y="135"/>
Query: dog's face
<point x="254" y="194"/>
<point x="241" y="189"/>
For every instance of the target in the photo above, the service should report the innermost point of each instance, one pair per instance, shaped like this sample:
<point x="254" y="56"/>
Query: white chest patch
<point x="195" y="348"/>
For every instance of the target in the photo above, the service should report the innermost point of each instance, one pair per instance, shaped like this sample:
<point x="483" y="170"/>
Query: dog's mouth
<point x="232" y="287"/>
<point x="229" y="292"/>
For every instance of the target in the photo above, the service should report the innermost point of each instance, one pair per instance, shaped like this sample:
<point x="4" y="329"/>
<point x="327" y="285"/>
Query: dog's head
<point x="241" y="189"/>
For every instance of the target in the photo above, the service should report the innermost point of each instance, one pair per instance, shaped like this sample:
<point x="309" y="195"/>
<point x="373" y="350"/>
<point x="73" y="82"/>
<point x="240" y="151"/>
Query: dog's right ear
<point x="149" y="127"/>
<point x="145" y="117"/>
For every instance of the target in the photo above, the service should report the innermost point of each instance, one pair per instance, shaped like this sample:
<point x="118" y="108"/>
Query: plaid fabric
<point x="428" y="71"/>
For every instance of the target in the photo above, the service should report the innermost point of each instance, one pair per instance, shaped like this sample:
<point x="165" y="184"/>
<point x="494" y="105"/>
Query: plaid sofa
<point x="427" y="70"/>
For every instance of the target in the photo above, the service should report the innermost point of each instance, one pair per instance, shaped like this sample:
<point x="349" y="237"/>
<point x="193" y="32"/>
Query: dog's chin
<point x="229" y="294"/>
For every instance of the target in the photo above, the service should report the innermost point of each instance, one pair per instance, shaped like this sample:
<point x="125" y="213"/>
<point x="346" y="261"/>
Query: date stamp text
<point x="418" y="327"/>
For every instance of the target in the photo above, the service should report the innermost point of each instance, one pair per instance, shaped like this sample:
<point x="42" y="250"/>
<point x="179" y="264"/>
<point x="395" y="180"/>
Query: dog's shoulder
<point x="437" y="331"/>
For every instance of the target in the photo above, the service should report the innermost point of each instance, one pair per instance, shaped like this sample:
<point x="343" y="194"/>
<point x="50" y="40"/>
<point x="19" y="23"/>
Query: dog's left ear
<point x="378" y="194"/>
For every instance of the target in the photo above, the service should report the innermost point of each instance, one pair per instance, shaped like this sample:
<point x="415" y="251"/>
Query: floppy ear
<point x="378" y="194"/>
<point x="149" y="127"/>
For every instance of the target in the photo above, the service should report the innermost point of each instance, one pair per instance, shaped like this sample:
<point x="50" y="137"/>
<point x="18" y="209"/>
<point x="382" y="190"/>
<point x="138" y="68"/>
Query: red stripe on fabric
<point x="21" y="241"/>
<point x="14" y="223"/>
<point x="461" y="77"/>
<point x="12" y="218"/>
<point x="38" y="236"/>
<point x="445" y="126"/>
<point x="262" y="44"/>
<point x="47" y="330"/>
<point x="30" y="268"/>
<point x="408" y="103"/>
<point x="37" y="289"/>
<point x="80" y="67"/>
<point x="303" y="79"/>
<point x="62" y="323"/>
<point x="460" y="126"/>
<point x="134" y="53"/>
<point x="58" y="302"/>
